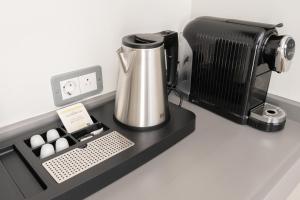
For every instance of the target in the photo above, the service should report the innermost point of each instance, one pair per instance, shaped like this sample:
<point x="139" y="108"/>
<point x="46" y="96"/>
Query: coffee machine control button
<point x="289" y="48"/>
<point x="285" y="54"/>
<point x="279" y="52"/>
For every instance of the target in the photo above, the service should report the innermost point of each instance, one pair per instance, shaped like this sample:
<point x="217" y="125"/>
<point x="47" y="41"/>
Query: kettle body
<point x="141" y="98"/>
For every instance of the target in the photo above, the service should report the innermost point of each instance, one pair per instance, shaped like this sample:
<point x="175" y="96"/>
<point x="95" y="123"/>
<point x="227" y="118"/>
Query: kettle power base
<point x="106" y="157"/>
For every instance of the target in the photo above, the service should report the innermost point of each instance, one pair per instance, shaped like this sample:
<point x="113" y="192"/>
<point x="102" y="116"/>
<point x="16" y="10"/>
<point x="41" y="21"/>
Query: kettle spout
<point x="125" y="59"/>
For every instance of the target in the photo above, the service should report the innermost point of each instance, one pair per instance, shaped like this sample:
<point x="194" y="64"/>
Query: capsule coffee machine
<point x="231" y="66"/>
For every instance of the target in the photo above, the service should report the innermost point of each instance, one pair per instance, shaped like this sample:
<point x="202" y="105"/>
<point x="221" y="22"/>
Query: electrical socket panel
<point x="76" y="85"/>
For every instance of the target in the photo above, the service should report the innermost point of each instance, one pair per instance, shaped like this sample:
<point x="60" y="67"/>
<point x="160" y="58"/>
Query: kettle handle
<point x="171" y="46"/>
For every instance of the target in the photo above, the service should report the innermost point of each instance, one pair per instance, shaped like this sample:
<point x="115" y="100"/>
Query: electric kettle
<point x="148" y="66"/>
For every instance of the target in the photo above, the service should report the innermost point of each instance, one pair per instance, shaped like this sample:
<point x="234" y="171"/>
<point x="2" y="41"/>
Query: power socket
<point x="70" y="88"/>
<point x="88" y="82"/>
<point x="76" y="85"/>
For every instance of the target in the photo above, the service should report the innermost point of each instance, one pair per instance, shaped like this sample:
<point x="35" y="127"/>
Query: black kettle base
<point x="134" y="128"/>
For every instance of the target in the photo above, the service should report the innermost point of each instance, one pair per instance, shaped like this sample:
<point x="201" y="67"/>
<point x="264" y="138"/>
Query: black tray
<point x="22" y="175"/>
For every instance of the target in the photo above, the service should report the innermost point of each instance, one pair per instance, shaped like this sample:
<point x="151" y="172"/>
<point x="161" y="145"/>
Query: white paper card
<point x="74" y="117"/>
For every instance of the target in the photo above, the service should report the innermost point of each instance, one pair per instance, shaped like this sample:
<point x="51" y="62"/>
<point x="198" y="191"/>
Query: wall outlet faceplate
<point x="76" y="85"/>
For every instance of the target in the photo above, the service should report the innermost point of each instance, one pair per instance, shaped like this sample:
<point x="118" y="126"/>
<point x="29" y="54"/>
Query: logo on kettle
<point x="162" y="115"/>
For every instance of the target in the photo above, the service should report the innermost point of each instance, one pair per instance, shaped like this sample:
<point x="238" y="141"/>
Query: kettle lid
<point x="143" y="41"/>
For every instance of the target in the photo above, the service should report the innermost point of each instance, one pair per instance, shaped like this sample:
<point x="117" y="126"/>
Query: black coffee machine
<point x="231" y="67"/>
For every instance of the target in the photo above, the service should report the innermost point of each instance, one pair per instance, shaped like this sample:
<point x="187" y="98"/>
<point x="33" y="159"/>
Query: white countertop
<point x="220" y="160"/>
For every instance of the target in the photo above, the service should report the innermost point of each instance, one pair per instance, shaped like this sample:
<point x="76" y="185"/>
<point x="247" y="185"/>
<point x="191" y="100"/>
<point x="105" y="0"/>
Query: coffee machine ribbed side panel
<point x="221" y="71"/>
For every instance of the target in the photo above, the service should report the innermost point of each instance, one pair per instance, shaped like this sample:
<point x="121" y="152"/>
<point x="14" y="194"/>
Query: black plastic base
<point x="18" y="160"/>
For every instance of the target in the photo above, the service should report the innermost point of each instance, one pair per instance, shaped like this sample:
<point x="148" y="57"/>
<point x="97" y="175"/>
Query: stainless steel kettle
<point x="141" y="98"/>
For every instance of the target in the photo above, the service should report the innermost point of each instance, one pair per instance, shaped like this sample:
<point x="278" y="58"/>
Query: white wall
<point x="267" y="11"/>
<point x="39" y="39"/>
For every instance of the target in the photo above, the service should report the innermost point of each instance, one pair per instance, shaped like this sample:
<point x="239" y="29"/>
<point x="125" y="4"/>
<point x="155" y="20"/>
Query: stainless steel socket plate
<point x="76" y="161"/>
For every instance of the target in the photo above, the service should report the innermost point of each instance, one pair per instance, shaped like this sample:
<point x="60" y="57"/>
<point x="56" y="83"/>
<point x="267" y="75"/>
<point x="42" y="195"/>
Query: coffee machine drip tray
<point x="78" y="160"/>
<point x="267" y="117"/>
